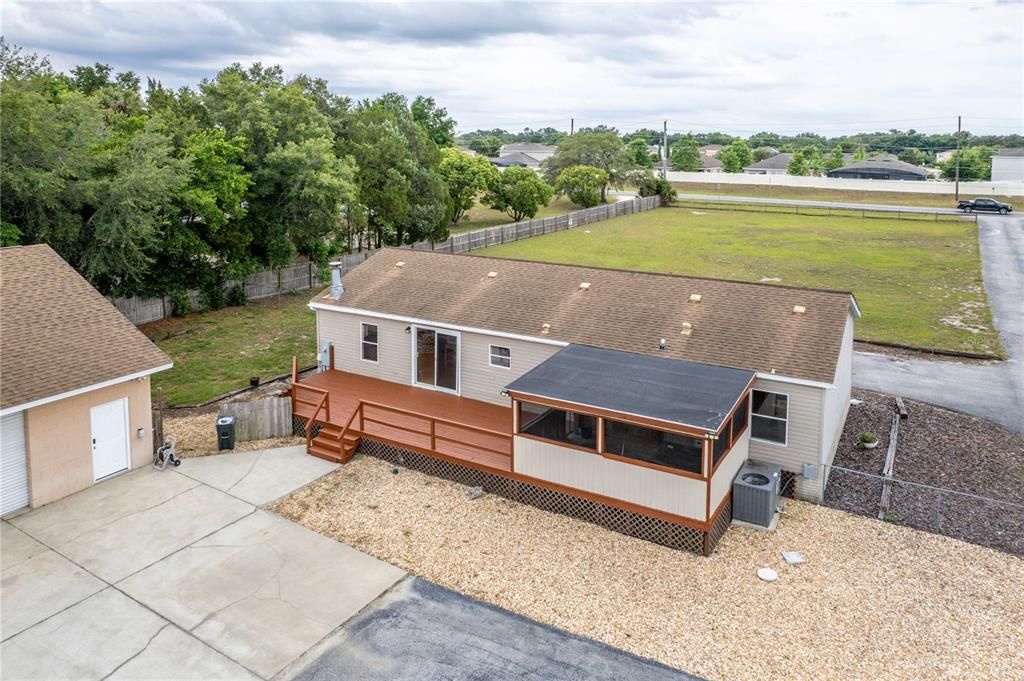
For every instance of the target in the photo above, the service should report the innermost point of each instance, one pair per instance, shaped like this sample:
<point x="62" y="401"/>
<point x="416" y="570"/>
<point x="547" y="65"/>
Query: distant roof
<point x="527" y="148"/>
<point x="58" y="333"/>
<point x="672" y="390"/>
<point x="517" y="157"/>
<point x="506" y="162"/>
<point x="882" y="163"/>
<point x="776" y="162"/>
<point x="710" y="162"/>
<point x="710" y="147"/>
<point x="735" y="324"/>
<point x="1010" y="152"/>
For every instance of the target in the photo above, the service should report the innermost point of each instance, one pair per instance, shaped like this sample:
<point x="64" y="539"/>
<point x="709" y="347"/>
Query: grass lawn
<point x="482" y="216"/>
<point x="818" y="194"/>
<point x="917" y="282"/>
<point x="218" y="351"/>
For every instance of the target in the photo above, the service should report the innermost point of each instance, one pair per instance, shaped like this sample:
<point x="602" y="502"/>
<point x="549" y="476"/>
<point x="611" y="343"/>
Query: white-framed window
<point x="769" y="416"/>
<point x="368" y="342"/>
<point x="501" y="357"/>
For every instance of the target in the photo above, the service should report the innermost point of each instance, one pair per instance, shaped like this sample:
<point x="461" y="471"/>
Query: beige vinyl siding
<point x="721" y="481"/>
<point x="804" y="436"/>
<point x="478" y="380"/>
<point x="837" y="401"/>
<point x="623" y="481"/>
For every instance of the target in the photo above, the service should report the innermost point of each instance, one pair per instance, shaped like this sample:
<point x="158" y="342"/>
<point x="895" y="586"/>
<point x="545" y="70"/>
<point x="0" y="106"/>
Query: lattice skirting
<point x="631" y="523"/>
<point x="299" y="427"/>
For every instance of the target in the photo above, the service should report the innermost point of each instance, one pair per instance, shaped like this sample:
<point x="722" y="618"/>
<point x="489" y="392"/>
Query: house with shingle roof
<point x="74" y="382"/>
<point x="640" y="394"/>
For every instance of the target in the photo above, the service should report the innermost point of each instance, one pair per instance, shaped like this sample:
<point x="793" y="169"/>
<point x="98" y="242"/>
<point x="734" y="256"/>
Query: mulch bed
<point x="940" y="448"/>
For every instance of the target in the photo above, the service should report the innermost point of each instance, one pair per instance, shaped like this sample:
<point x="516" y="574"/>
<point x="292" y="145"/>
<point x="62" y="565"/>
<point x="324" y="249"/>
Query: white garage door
<point x="13" y="466"/>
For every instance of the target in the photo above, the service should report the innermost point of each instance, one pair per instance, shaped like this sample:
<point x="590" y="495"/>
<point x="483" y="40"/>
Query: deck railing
<point x="427" y="429"/>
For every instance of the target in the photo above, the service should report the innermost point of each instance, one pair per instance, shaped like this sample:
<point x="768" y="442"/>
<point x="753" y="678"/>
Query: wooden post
<point x="890" y="456"/>
<point x="330" y="350"/>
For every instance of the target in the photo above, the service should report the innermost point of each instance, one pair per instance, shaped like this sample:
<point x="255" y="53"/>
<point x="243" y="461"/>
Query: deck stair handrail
<point x="433" y="421"/>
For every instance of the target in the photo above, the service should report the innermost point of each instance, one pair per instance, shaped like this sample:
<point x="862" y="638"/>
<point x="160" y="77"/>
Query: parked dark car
<point x="990" y="205"/>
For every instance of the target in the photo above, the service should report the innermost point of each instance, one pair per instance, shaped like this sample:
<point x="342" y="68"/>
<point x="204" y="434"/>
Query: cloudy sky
<point x="741" y="67"/>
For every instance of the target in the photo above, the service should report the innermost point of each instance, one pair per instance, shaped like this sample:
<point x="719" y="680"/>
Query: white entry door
<point x="109" y="438"/>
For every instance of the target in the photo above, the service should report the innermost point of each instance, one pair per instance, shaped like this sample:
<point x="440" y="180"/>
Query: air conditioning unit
<point x="755" y="493"/>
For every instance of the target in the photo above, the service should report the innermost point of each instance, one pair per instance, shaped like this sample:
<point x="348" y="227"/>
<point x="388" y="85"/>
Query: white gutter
<point x="79" y="391"/>
<point x="795" y="381"/>
<point x="438" y="325"/>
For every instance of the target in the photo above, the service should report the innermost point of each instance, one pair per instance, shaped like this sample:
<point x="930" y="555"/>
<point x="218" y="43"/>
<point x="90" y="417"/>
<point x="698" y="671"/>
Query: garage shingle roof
<point x="57" y="333"/>
<point x="735" y="324"/>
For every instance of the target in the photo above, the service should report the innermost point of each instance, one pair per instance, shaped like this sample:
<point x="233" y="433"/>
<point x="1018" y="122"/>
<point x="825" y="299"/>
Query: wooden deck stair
<point x="326" y="444"/>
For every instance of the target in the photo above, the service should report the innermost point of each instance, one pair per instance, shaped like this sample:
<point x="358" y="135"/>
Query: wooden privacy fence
<point x="306" y="275"/>
<point x="260" y="419"/>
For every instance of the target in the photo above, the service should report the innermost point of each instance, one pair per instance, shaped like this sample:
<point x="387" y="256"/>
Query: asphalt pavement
<point x="419" y="630"/>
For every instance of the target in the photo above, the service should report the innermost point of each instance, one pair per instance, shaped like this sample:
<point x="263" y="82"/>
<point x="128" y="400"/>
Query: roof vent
<point x="663" y="345"/>
<point x="585" y="286"/>
<point x="545" y="328"/>
<point x="492" y="275"/>
<point x="687" y="329"/>
<point x="400" y="263"/>
<point x="799" y="309"/>
<point x="696" y="297"/>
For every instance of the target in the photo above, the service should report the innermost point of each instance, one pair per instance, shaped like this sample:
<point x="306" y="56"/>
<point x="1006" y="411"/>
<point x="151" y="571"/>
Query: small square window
<point x="501" y="357"/>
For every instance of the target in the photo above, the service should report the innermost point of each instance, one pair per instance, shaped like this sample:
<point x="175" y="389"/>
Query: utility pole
<point x="572" y="126"/>
<point x="664" y="145"/>
<point x="957" y="190"/>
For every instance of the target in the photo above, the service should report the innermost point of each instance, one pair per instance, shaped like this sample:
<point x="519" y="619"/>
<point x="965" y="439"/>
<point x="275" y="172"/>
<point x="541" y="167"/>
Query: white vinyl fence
<point x="306" y="275"/>
<point x="967" y="189"/>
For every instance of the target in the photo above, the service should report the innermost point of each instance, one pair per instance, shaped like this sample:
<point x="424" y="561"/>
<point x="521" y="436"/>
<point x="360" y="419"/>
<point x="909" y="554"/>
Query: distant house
<point x="943" y="156"/>
<point x="630" y="399"/>
<point x="881" y="167"/>
<point x="1008" y="165"/>
<point x="773" y="165"/>
<point x="75" y="403"/>
<point x="710" y="150"/>
<point x="710" y="164"/>
<point x="516" y="159"/>
<point x="538" y="152"/>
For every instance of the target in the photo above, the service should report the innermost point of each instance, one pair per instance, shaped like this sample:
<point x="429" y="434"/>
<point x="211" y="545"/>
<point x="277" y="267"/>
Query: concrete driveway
<point x="991" y="391"/>
<point x="177" y="574"/>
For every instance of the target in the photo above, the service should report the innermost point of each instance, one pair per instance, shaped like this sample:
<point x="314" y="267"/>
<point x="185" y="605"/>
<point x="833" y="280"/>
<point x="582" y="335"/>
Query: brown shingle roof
<point x="735" y="324"/>
<point x="57" y="333"/>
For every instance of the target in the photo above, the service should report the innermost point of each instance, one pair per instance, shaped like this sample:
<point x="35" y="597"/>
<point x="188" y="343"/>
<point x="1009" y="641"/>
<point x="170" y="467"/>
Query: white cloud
<point x="740" y="67"/>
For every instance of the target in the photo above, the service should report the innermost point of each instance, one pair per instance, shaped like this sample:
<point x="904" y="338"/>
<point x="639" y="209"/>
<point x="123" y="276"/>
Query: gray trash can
<point x="226" y="432"/>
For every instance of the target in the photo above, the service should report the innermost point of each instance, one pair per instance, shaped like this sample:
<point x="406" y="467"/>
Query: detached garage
<point x="74" y="382"/>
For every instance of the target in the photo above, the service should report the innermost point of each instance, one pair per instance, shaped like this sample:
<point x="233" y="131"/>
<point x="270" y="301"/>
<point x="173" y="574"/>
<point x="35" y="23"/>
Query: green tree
<point x="582" y="184"/>
<point x="639" y="152"/>
<point x="762" y="153"/>
<point x="736" y="157"/>
<point x="603" y="150"/>
<point x="649" y="184"/>
<point x="519" y="193"/>
<point x="860" y="153"/>
<point x="797" y="164"/>
<point x="488" y="146"/>
<point x="835" y="159"/>
<point x="815" y="163"/>
<point x="434" y="119"/>
<point x="975" y="164"/>
<point x="686" y="155"/>
<point x="913" y="156"/>
<point x="467" y="177"/>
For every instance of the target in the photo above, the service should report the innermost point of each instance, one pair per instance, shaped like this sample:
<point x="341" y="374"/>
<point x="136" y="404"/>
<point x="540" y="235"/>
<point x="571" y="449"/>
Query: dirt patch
<point x="197" y="435"/>
<point x="844" y="614"/>
<point x="939" y="448"/>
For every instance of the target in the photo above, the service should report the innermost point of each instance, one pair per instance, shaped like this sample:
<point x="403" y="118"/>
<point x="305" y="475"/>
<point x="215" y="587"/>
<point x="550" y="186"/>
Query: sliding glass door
<point x="436" y="359"/>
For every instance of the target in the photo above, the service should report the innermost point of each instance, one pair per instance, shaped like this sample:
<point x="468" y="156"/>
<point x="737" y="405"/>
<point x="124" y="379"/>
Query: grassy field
<point x="817" y="194"/>
<point x="216" y="352"/>
<point x="918" y="283"/>
<point x="482" y="216"/>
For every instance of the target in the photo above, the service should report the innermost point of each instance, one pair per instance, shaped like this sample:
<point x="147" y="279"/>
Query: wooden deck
<point x="469" y="431"/>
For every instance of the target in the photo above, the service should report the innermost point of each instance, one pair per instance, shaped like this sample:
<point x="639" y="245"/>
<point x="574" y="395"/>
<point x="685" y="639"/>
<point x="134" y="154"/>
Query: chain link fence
<point x="996" y="523"/>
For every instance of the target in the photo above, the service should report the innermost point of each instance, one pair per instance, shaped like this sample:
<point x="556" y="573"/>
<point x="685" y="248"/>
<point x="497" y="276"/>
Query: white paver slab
<point x="173" y="654"/>
<point x="258" y="477"/>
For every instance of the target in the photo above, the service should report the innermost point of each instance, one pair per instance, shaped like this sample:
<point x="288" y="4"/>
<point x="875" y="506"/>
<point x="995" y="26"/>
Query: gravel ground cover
<point x="875" y="600"/>
<point x="196" y="435"/>
<point x="940" y="448"/>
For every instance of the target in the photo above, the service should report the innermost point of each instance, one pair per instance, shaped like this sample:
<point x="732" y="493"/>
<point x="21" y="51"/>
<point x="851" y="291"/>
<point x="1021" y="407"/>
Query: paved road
<point x="995" y="391"/>
<point x="821" y="204"/>
<point x="419" y="630"/>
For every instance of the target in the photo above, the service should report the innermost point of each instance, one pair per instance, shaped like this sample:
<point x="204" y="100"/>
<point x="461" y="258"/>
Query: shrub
<point x="181" y="305"/>
<point x="212" y="296"/>
<point x="582" y="184"/>
<point x="649" y="184"/>
<point x="868" y="438"/>
<point x="236" y="296"/>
